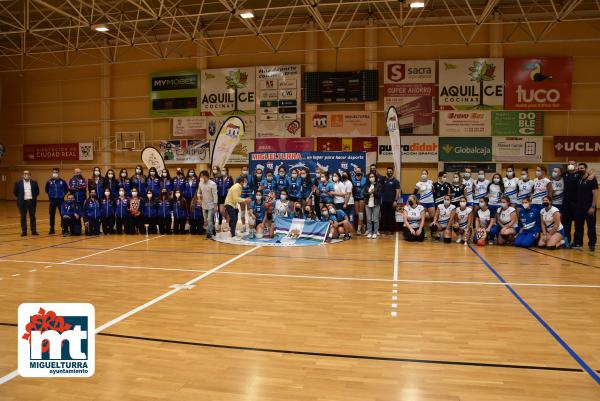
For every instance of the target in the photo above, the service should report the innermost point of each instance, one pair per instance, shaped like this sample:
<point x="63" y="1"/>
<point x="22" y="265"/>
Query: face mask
<point x="111" y="175"/>
<point x="525" y="205"/>
<point x="303" y="176"/>
<point x="307" y="210"/>
<point x="496" y="180"/>
<point x="524" y="177"/>
<point x="467" y="175"/>
<point x="294" y="176"/>
<point x="244" y="172"/>
<point x="258" y="197"/>
<point x="269" y="178"/>
<point x="191" y="174"/>
<point x="121" y="193"/>
<point x="123" y="175"/>
<point x="481" y="177"/>
<point x="138" y="171"/>
<point x="332" y="211"/>
<point x="245" y="185"/>
<point x="481" y="204"/>
<point x="446" y="203"/>
<point x="456" y="180"/>
<point x="344" y="178"/>
<point x="258" y="175"/>
<point x="282" y="173"/>
<point x="504" y="205"/>
<point x="510" y="174"/>
<point x="372" y="179"/>
<point x="323" y="179"/>
<point x="390" y="174"/>
<point x="152" y="174"/>
<point x="149" y="196"/>
<point x="107" y="194"/>
<point x="424" y="177"/>
<point x="411" y="202"/>
<point x="133" y="193"/>
<point x="538" y="173"/>
<point x="97" y="173"/>
<point x="324" y="214"/>
<point x="177" y="195"/>
<point x="298" y="209"/>
<point x="54" y="175"/>
<point x="335" y="179"/>
<point x="164" y="175"/>
<point x="463" y="204"/>
<point x="554" y="174"/>
<point x="570" y="167"/>
<point x="283" y="197"/>
<point x="545" y="204"/>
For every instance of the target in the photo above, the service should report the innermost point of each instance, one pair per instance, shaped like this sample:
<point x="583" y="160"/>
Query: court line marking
<point x="140" y="308"/>
<point x="110" y="250"/>
<point x="540" y="320"/>
<point x="565" y="259"/>
<point x="396" y="259"/>
<point x="16" y="224"/>
<point x="44" y="247"/>
<point x="350" y="356"/>
<point x="302" y="276"/>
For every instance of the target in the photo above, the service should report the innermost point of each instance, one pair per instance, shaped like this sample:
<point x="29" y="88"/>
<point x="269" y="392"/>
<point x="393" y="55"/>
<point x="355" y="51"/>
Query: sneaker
<point x="376" y="235"/>
<point x="576" y="246"/>
<point x="208" y="236"/>
<point x="51" y="232"/>
<point x="459" y="240"/>
<point x="23" y="234"/>
<point x="369" y="236"/>
<point x="592" y="248"/>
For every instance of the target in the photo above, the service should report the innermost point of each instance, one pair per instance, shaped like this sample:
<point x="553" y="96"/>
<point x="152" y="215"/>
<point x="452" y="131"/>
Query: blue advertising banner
<point x="326" y="161"/>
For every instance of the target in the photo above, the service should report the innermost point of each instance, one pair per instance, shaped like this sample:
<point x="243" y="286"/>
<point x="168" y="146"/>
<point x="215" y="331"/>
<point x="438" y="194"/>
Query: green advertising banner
<point x="517" y="123"/>
<point x="465" y="149"/>
<point x="175" y="94"/>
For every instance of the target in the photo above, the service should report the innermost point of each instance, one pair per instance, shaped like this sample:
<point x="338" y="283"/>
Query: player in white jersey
<point x="558" y="188"/>
<point x="462" y="221"/>
<point x="469" y="186"/>
<point x="510" y="186"/>
<point x="552" y="233"/>
<point x="425" y="190"/>
<point x="480" y="188"/>
<point x="414" y="220"/>
<point x="484" y="221"/>
<point x="541" y="187"/>
<point x="441" y="221"/>
<point x="495" y="191"/>
<point x="524" y="188"/>
<point x="507" y="221"/>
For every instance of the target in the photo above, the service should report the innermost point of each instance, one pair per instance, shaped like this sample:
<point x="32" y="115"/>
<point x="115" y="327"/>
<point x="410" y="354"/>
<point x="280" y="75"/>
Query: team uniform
<point x="138" y="181"/>
<point x="150" y="216"/>
<point x="413" y="217"/>
<point x="440" y="189"/>
<point x="122" y="215"/>
<point x="324" y="189"/>
<point x="540" y="189"/>
<point x="107" y="215"/>
<point x="457" y="191"/>
<point x="425" y="192"/>
<point x="112" y="184"/>
<point x="97" y="184"/>
<point x="558" y="190"/>
<point x="56" y="189"/>
<point x="469" y="189"/>
<point x="196" y="218"/>
<point x="547" y="219"/>
<point x="70" y="215"/>
<point x="153" y="184"/>
<point x="91" y="213"/>
<point x="268" y="186"/>
<point x="78" y="188"/>
<point x="494" y="195"/>
<point x="165" y="183"/>
<point x="190" y="187"/>
<point x="504" y="216"/>
<point x="164" y="215"/>
<point x="462" y="219"/>
<point x="445" y="214"/>
<point x="179" y="216"/>
<point x="125" y="183"/>
<point x="484" y="217"/>
<point x="510" y="189"/>
<point x="529" y="221"/>
<point x="281" y="182"/>
<point x="524" y="190"/>
<point x="480" y="189"/>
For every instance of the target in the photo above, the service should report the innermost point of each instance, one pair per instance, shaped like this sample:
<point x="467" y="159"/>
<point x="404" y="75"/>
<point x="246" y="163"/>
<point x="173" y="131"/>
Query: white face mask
<point x="283" y="197"/>
<point x="97" y="173"/>
<point x="446" y="202"/>
<point x="571" y="167"/>
<point x="524" y="177"/>
<point x="107" y="194"/>
<point x="177" y="195"/>
<point x="335" y="179"/>
<point x="372" y="179"/>
<point x="54" y="175"/>
<point x="138" y="171"/>
<point x="504" y="205"/>
<point x="456" y="180"/>
<point x="481" y="204"/>
<point x="496" y="180"/>
<point x="332" y="211"/>
<point x="149" y="196"/>
<point x="463" y="204"/>
<point x="244" y="172"/>
<point x="121" y="193"/>
<point x="164" y="175"/>
<point x="124" y="175"/>
<point x="152" y="173"/>
<point x="510" y="174"/>
<point x="133" y="193"/>
<point x="423" y="177"/>
<point x="538" y="173"/>
<point x="323" y="179"/>
<point x="294" y="176"/>
<point x="481" y="177"/>
<point x="258" y="197"/>
<point x="110" y="175"/>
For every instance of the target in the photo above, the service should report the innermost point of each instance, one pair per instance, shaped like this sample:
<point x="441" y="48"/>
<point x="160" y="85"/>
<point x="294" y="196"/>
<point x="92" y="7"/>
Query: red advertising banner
<point x="538" y="83"/>
<point x="577" y="146"/>
<point x="283" y="145"/>
<point x="364" y="144"/>
<point x="329" y="145"/>
<point x="367" y="144"/>
<point x="51" y="152"/>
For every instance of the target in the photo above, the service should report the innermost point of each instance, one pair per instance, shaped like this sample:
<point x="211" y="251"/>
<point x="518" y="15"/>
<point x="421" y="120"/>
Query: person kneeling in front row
<point x="414" y="219"/>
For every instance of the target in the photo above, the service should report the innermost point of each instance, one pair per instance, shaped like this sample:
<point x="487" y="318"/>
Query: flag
<point x="230" y="133"/>
<point x="394" y="131"/>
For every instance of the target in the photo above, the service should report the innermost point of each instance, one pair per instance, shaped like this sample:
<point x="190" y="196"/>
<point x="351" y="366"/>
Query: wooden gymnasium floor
<point x="311" y="323"/>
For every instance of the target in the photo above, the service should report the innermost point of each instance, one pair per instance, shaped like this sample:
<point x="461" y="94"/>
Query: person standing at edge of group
<point x="26" y="191"/>
<point x="56" y="188"/>
<point x="207" y="191"/>
<point x="571" y="180"/>
<point x="232" y="201"/>
<point x="390" y="197"/>
<point x="585" y="211"/>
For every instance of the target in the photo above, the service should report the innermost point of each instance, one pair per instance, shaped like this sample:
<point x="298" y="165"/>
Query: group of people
<point x="503" y="210"/>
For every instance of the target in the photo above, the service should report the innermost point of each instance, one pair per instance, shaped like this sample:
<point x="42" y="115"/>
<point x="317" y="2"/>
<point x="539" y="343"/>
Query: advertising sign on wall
<point x="471" y="84"/>
<point x="326" y="161"/>
<point x="465" y="123"/>
<point x="518" y="149"/>
<point x="228" y="91"/>
<point x="415" y="149"/>
<point x="465" y="149"/>
<point x="339" y="123"/>
<point x="587" y="146"/>
<point x="241" y="152"/>
<point x="278" y="103"/>
<point x="538" y="83"/>
<point x="58" y="151"/>
<point x="175" y="94"/>
<point x="284" y="145"/>
<point x="185" y="151"/>
<point x="410" y="87"/>
<point x="517" y="123"/>
<point x="189" y="126"/>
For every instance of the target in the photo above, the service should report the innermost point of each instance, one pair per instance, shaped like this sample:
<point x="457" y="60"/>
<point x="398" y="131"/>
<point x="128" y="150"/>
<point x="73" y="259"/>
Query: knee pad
<point x="447" y="240"/>
<point x="361" y="216"/>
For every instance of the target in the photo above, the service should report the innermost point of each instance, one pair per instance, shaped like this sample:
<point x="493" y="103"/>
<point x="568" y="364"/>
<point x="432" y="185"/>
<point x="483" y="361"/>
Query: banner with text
<point x="185" y="151"/>
<point x="467" y="149"/>
<point x="189" y="126"/>
<point x="174" y="94"/>
<point x="465" y="123"/>
<point x="278" y="101"/>
<point x="366" y="144"/>
<point x="410" y="87"/>
<point x="241" y="152"/>
<point x="339" y="123"/>
<point x="517" y="123"/>
<point x="284" y="145"/>
<point x="518" y="149"/>
<point x="58" y="151"/>
<point x="471" y="84"/>
<point x="415" y="149"/>
<point x="326" y="161"/>
<point x="581" y="146"/>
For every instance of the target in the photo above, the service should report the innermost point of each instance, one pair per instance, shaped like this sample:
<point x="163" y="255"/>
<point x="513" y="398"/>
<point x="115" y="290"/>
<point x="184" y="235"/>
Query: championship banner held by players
<point x="394" y="131"/>
<point x="299" y="231"/>
<point x="228" y="138"/>
<point x="325" y="161"/>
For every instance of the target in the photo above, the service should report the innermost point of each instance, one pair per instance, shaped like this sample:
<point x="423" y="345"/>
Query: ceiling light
<point x="417" y="4"/>
<point x="246" y="14"/>
<point x="100" y="27"/>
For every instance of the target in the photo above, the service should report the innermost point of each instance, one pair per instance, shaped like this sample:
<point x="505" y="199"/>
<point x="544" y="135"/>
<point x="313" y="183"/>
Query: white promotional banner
<point x="410" y="87"/>
<point x="465" y="123"/>
<point x="338" y="123"/>
<point x="278" y="101"/>
<point x="213" y="123"/>
<point x="189" y="126"/>
<point x="471" y="84"/>
<point x="415" y="149"/>
<point x="228" y="138"/>
<point x="228" y="92"/>
<point x="518" y="149"/>
<point x="391" y="121"/>
<point x="240" y="152"/>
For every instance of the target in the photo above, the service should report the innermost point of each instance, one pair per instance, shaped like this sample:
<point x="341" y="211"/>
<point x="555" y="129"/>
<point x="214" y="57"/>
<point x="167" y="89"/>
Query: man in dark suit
<point x="26" y="191"/>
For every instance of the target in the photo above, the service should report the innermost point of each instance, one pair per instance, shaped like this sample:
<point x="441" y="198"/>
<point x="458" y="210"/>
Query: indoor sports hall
<point x="299" y="200"/>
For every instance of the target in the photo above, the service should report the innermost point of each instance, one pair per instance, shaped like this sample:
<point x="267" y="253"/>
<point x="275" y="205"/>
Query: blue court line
<point x="263" y="256"/>
<point x="43" y="247"/>
<point x="550" y="330"/>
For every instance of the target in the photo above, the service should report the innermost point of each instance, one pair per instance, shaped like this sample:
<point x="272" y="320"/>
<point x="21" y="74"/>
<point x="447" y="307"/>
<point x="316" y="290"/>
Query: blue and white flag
<point x="300" y="231"/>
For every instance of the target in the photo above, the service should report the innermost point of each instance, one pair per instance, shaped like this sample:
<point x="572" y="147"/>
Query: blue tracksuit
<point x="223" y="185"/>
<point x="306" y="185"/>
<point x="166" y="183"/>
<point x="56" y="188"/>
<point x="249" y="190"/>
<point x="122" y="208"/>
<point x="529" y="221"/>
<point x="281" y="183"/>
<point x="164" y="208"/>
<point x="339" y="216"/>
<point x="259" y="210"/>
<point x="190" y="187"/>
<point x="107" y="208"/>
<point x="78" y="187"/>
<point x="112" y="186"/>
<point x="150" y="209"/>
<point x="178" y="183"/>
<point x="179" y="211"/>
<point x="153" y="184"/>
<point x="70" y="223"/>
<point x="125" y="183"/>
<point x="295" y="188"/>
<point x="91" y="209"/>
<point x="139" y="182"/>
<point x="97" y="184"/>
